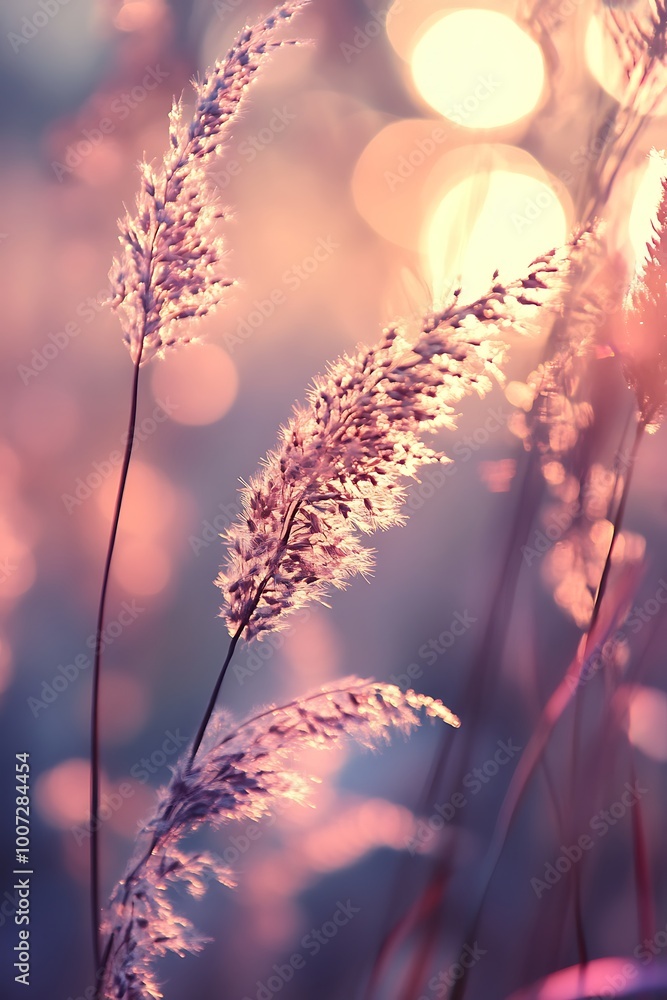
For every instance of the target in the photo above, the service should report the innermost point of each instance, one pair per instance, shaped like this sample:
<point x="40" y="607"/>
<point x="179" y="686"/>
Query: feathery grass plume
<point x="337" y="471"/>
<point x="170" y="266"/>
<point x="644" y="351"/>
<point x="169" y="272"/>
<point x="238" y="775"/>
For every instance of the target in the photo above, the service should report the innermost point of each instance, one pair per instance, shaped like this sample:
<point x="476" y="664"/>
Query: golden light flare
<point x="478" y="69"/>
<point x="200" y="383"/>
<point x="502" y="212"/>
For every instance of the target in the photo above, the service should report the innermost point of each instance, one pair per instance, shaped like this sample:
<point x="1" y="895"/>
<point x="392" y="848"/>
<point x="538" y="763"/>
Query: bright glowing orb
<point x="200" y="382"/>
<point x="478" y="69"/>
<point x="491" y="219"/>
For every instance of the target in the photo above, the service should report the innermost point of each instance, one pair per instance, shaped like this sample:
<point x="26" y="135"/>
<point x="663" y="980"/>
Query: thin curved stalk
<point x="97" y="668"/>
<point x="103" y="960"/>
<point x="618" y="524"/>
<point x="287" y="528"/>
<point x="216" y="690"/>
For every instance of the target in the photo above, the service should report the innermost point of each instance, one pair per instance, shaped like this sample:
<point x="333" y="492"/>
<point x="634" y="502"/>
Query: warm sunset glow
<point x="201" y="383"/>
<point x="478" y="69"/>
<point x="493" y="218"/>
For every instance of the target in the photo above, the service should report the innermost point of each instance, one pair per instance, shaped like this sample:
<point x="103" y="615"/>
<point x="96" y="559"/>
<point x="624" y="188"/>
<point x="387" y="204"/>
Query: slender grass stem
<point x="103" y="960"/>
<point x="284" y="538"/>
<point x="97" y="669"/>
<point x="618" y="524"/>
<point x="216" y="691"/>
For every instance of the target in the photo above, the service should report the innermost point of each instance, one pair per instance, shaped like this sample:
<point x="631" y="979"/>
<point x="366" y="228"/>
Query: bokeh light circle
<point x="478" y="69"/>
<point x="199" y="381"/>
<point x="647" y="722"/>
<point x="62" y="795"/>
<point x="391" y="174"/>
<point x="492" y="218"/>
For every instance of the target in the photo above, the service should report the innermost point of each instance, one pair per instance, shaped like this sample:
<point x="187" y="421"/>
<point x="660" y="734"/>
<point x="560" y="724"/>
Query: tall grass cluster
<point x="339" y="473"/>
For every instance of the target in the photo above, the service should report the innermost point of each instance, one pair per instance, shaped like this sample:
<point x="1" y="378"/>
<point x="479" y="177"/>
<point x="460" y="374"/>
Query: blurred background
<point x="406" y="146"/>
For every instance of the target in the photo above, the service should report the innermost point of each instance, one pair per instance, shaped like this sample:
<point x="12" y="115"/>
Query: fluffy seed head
<point x="170" y="269"/>
<point x="237" y="775"/>
<point x="341" y="461"/>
